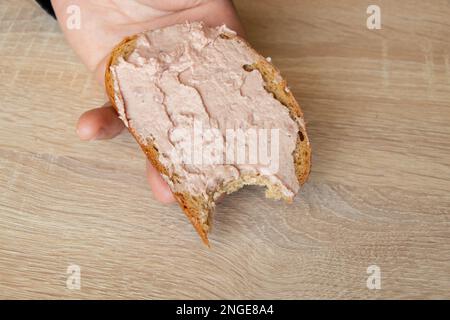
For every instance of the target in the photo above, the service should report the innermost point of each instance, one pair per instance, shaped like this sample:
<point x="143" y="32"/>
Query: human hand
<point x="104" y="23"/>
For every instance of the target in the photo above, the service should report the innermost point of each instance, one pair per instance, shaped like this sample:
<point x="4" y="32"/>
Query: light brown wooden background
<point x="377" y="104"/>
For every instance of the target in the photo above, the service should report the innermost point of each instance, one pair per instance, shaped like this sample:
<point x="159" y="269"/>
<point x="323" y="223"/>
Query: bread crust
<point x="194" y="207"/>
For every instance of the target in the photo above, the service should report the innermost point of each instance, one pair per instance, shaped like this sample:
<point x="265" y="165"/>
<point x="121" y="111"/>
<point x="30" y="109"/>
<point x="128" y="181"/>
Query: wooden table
<point x="377" y="105"/>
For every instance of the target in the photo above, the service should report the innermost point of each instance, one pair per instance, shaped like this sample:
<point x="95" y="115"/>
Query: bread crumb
<point x="269" y="59"/>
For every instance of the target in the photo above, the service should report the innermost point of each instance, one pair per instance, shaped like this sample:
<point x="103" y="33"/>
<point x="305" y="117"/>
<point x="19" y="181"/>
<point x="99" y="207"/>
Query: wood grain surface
<point x="377" y="105"/>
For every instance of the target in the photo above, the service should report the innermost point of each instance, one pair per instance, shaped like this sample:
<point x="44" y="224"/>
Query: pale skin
<point x="104" y="23"/>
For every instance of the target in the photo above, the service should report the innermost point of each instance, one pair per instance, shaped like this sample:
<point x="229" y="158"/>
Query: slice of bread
<point x="199" y="206"/>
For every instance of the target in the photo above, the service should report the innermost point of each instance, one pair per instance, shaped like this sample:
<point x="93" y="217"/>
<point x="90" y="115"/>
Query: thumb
<point x="99" y="123"/>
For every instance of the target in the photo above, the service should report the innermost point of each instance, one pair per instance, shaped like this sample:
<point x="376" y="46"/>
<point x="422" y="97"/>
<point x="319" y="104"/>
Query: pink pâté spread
<point x="185" y="88"/>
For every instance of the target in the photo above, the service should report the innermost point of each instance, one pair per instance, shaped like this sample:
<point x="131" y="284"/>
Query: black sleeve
<point x="47" y="6"/>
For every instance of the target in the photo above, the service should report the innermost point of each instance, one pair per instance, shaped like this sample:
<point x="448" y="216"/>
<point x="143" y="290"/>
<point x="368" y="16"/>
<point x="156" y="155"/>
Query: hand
<point x="104" y="23"/>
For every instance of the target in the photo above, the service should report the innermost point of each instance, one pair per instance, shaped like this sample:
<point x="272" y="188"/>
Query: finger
<point x="160" y="188"/>
<point x="99" y="123"/>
